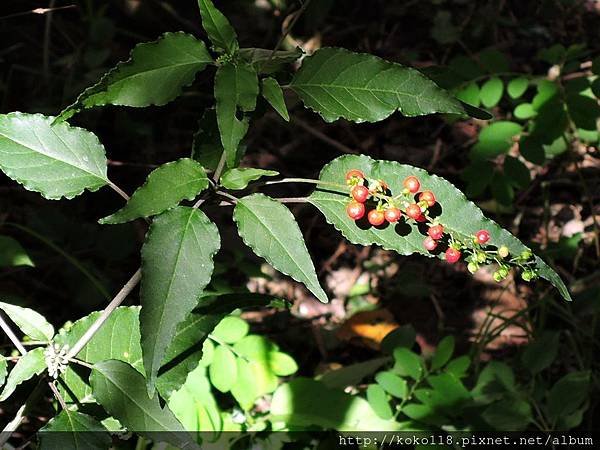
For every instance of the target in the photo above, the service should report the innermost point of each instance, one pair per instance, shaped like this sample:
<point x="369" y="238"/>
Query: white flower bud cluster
<point x="56" y="359"/>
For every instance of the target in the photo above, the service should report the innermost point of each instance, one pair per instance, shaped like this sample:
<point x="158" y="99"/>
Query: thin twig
<point x="118" y="190"/>
<point x="220" y="167"/>
<point x="12" y="336"/>
<point x="228" y="196"/>
<point x="89" y="334"/>
<point x="57" y="395"/>
<point x="316" y="133"/>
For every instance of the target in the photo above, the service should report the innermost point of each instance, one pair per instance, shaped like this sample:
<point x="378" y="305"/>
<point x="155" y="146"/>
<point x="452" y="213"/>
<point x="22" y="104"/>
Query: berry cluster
<point x="415" y="204"/>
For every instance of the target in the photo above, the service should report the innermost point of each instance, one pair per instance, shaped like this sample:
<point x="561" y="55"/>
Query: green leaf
<point x="304" y="402"/>
<point x="458" y="366"/>
<point x="56" y="161"/>
<point x="29" y="365"/>
<point x="121" y="390"/>
<point x="458" y="214"/>
<point x="223" y="369"/>
<point x="12" y="254"/>
<point x="231" y="329"/>
<point x="207" y="147"/>
<point x="596" y="87"/>
<point x="584" y="111"/>
<point x="177" y="264"/>
<point x="352" y="374"/>
<point x="282" y="364"/>
<point x="532" y="150"/>
<point x="407" y="363"/>
<point x="74" y="430"/>
<point x="378" y="401"/>
<point x="271" y="231"/>
<point x="361" y="87"/>
<point x="392" y="384"/>
<point x="239" y="178"/>
<point x="517" y="87"/>
<point x="524" y="111"/>
<point x="403" y="336"/>
<point x="494" y="61"/>
<point x="443" y="353"/>
<point x="154" y="74"/>
<point x="3" y="370"/>
<point x="508" y="415"/>
<point x="265" y="61"/>
<point x="272" y="92"/>
<point x="30" y="322"/>
<point x="568" y="394"/>
<point x="219" y="30"/>
<point x="236" y="89"/>
<point x="495" y="139"/>
<point x="244" y="389"/>
<point x="469" y="94"/>
<point x="517" y="172"/>
<point x="491" y="92"/>
<point x="164" y="188"/>
<point x="541" y="353"/>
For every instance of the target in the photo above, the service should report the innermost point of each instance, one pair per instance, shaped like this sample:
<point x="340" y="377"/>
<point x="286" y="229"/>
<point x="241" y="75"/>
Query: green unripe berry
<point x="473" y="267"/>
<point x="497" y="277"/>
<point x="481" y="257"/>
<point x="526" y="254"/>
<point x="528" y="275"/>
<point x="503" y="251"/>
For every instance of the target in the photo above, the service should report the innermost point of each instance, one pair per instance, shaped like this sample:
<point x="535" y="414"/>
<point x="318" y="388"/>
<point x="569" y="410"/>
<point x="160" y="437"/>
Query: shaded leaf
<point x="540" y="353"/>
<point x="74" y="430"/>
<point x="177" y="264"/>
<point x="265" y="61"/>
<point x="517" y="172"/>
<point x="407" y="363"/>
<point x="403" y="336"/>
<point x="239" y="178"/>
<point x="219" y="30"/>
<point x="272" y="92"/>
<point x="378" y="401"/>
<point x="29" y="365"/>
<point x="360" y="87"/>
<point x="154" y="74"/>
<point x="352" y="374"/>
<point x="508" y="415"/>
<point x="270" y="230"/>
<point x="443" y="353"/>
<point x="568" y="394"/>
<point x="458" y="366"/>
<point x="30" y="322"/>
<point x="56" y="161"/>
<point x="12" y="254"/>
<point x="584" y="111"/>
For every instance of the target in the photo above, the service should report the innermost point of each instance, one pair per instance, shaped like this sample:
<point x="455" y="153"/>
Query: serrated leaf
<point x="443" y="353"/>
<point x="30" y="322"/>
<point x="239" y="178"/>
<point x="491" y="92"/>
<point x="458" y="214"/>
<point x="265" y="61"/>
<point x="361" y="87"/>
<point x="272" y="92"/>
<point x="378" y="400"/>
<point x="207" y="146"/>
<point x="164" y="188"/>
<point x="219" y="30"/>
<point x="74" y="430"/>
<point x="223" y="369"/>
<point x="121" y="390"/>
<point x="30" y="364"/>
<point x="236" y="89"/>
<point x="154" y="74"/>
<point x="12" y="254"/>
<point x="231" y="329"/>
<point x="56" y="161"/>
<point x="517" y="87"/>
<point x="177" y="264"/>
<point x="271" y="231"/>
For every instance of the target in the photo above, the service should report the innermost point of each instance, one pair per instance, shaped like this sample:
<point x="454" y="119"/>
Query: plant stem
<point x="307" y="180"/>
<point x="57" y="395"/>
<point x="12" y="336"/>
<point x="220" y="167"/>
<point x="118" y="190"/>
<point x="89" y="334"/>
<point x="229" y="196"/>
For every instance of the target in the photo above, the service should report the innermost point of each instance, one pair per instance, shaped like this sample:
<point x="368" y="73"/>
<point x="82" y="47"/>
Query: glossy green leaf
<point x="568" y="394"/>
<point x="29" y="365"/>
<point x="457" y="213"/>
<point x="272" y="92"/>
<point x="443" y="353"/>
<point x="231" y="329"/>
<point x="239" y="178"/>
<point x="378" y="400"/>
<point x="164" y="188"/>
<point x="407" y="363"/>
<point x="541" y="352"/>
<point x="12" y="254"/>
<point x="219" y="30"/>
<point x="74" y="430"/>
<point x="517" y="87"/>
<point x="223" y="369"/>
<point x="56" y="161"/>
<point x="491" y="92"/>
<point x="121" y="390"/>
<point x="495" y="139"/>
<point x="154" y="74"/>
<point x="360" y="87"/>
<point x="352" y="374"/>
<point x="304" y="402"/>
<point x="392" y="384"/>
<point x="177" y="264"/>
<point x="30" y="322"/>
<point x="265" y="61"/>
<point x="270" y="230"/>
<point x="236" y="89"/>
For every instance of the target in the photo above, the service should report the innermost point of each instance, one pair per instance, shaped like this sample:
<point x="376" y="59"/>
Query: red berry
<point x="452" y="255"/>
<point x="376" y="217"/>
<point x="482" y="236"/>
<point x="413" y="211"/>
<point x="360" y="193"/>
<point x="392" y="214"/>
<point x="412" y="184"/>
<point x="427" y="196"/>
<point x="421" y="218"/>
<point x="355" y="210"/>
<point x="436" y="232"/>
<point x="429" y="243"/>
<point x="354" y="173"/>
